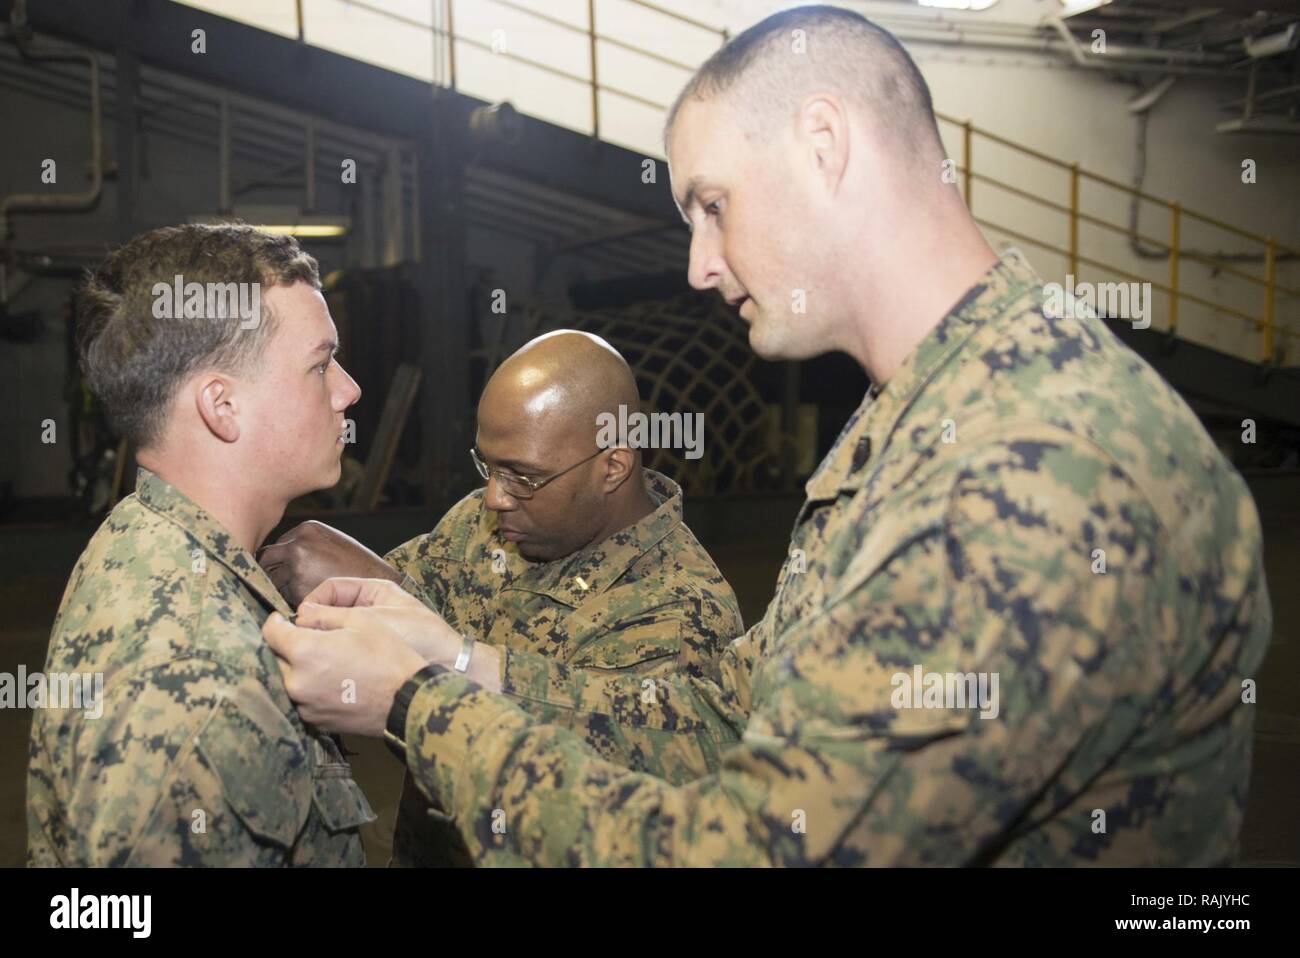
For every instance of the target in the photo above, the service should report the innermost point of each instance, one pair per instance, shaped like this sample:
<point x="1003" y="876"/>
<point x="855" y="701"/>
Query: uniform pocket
<point x="648" y="645"/>
<point x="256" y="755"/>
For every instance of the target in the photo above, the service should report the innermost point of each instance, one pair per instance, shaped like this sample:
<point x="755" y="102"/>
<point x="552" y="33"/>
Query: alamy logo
<point x="658" y="430"/>
<point x="57" y="690"/>
<point x="103" y="911"/>
<point x="182" y="300"/>
<point x="946" y="690"/>
<point x="1128" y="301"/>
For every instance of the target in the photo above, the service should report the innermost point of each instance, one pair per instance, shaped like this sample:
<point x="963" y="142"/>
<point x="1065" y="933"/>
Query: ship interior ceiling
<point x="1176" y="38"/>
<point x="474" y="227"/>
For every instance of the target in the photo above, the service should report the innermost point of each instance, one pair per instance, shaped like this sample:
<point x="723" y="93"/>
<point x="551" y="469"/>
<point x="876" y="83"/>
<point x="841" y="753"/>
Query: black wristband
<point x="395" y="731"/>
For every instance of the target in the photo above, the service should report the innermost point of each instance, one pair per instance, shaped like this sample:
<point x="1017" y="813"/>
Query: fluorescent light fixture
<point x="302" y="229"/>
<point x="285" y="220"/>
<point x="958" y="4"/>
<point x="1075" y="7"/>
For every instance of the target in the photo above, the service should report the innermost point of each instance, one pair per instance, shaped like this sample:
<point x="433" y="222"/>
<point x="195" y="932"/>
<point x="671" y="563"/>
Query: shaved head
<point x="769" y="70"/>
<point x="558" y="384"/>
<point x="537" y="418"/>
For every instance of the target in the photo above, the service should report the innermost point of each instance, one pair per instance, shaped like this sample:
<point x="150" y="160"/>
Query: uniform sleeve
<point x="425" y="575"/>
<point x="985" y="568"/>
<point x="189" y="765"/>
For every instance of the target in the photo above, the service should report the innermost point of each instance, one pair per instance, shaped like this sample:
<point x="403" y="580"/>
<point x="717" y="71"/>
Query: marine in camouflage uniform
<point x="961" y="522"/>
<point x="199" y="757"/>
<point x="646" y="603"/>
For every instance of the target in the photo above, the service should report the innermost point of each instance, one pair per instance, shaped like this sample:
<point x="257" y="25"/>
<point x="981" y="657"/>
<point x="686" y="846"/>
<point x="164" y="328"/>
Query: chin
<point x="327" y="478"/>
<point x="531" y="554"/>
<point x="764" y="345"/>
<point x="784" y="343"/>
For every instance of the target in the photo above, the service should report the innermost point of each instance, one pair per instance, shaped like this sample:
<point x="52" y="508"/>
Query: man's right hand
<point x="312" y="552"/>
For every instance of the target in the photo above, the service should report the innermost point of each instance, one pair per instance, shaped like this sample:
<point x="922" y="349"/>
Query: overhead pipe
<point x="45" y="202"/>
<point x="1127" y="57"/>
<point x="939" y="27"/>
<point x="1140" y="106"/>
<point x="1118" y="58"/>
<point x="1019" y="35"/>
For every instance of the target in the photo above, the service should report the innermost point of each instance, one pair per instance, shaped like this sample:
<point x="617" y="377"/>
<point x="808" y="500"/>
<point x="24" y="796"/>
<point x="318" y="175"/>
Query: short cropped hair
<point x="132" y="359"/>
<point x="772" y="66"/>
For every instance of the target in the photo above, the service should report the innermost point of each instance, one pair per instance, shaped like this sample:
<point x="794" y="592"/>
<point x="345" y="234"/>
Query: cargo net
<point x="689" y="356"/>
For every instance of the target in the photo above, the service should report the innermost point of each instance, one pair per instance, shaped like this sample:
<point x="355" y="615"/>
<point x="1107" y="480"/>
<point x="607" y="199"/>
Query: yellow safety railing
<point x="452" y="38"/>
<point x="1265" y="323"/>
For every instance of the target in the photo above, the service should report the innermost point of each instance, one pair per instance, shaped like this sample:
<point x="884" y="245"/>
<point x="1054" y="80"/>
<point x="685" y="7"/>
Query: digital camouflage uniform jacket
<point x="199" y="757"/>
<point x="646" y="603"/>
<point x="1024" y="500"/>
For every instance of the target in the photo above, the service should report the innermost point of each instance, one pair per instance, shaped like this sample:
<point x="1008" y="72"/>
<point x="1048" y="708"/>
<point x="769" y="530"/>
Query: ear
<point x="619" y="465"/>
<point x="823" y="127"/>
<point x="214" y="399"/>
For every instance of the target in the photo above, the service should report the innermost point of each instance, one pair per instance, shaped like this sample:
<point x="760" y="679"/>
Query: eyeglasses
<point x="520" y="487"/>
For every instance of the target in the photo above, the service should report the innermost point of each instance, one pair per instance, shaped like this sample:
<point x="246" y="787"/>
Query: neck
<point x="240" y="510"/>
<point x="938" y="257"/>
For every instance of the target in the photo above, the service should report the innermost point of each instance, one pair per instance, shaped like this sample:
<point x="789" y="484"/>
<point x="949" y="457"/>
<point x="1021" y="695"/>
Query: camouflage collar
<point x="162" y="497"/>
<point x="868" y="430"/>
<point x="590" y="571"/>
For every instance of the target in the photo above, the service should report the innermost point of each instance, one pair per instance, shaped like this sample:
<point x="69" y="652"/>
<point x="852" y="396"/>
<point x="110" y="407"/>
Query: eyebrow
<point x="512" y="465"/>
<point x="330" y="346"/>
<point x="688" y="199"/>
<point x="515" y="465"/>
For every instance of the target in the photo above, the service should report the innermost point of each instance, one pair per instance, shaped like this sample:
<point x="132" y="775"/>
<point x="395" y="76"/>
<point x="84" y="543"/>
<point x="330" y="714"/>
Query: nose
<point x="346" y="390"/>
<point x="706" y="264"/>
<point x="497" y="499"/>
